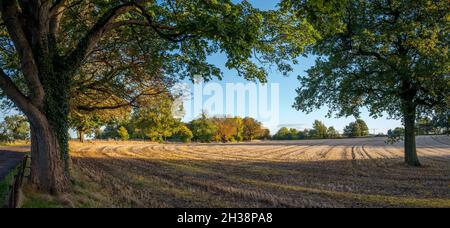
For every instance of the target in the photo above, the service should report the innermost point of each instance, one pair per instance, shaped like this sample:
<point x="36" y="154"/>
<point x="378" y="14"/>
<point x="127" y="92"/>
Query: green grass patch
<point x="5" y="187"/>
<point x="40" y="201"/>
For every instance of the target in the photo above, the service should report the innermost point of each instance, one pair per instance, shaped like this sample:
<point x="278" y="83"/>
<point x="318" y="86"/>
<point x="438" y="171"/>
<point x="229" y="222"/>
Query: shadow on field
<point x="145" y="182"/>
<point x="439" y="142"/>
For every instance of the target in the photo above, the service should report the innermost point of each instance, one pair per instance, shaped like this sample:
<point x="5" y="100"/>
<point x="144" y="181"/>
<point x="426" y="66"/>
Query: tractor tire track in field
<point x="310" y="173"/>
<point x="176" y="180"/>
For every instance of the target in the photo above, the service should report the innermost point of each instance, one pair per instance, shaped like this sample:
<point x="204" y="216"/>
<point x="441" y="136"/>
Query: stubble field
<point x="362" y="172"/>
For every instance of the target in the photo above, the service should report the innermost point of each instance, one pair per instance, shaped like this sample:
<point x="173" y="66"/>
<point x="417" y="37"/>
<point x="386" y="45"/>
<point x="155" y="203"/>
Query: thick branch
<point x="174" y="37"/>
<point x="103" y="25"/>
<point x="16" y="96"/>
<point x="130" y="103"/>
<point x="10" y="16"/>
<point x="57" y="6"/>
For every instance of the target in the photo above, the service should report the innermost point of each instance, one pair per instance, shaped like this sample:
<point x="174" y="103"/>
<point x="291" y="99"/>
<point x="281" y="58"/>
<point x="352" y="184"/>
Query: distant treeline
<point x="159" y="127"/>
<point x="14" y="128"/>
<point x="204" y="129"/>
<point x="321" y="131"/>
<point x="235" y="129"/>
<point x="218" y="129"/>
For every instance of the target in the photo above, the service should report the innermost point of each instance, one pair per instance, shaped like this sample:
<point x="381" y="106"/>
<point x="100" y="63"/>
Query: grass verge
<point x="5" y="187"/>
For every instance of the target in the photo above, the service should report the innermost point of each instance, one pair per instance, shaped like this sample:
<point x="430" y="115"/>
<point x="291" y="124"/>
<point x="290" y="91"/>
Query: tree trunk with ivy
<point x="47" y="44"/>
<point x="50" y="131"/>
<point x="33" y="27"/>
<point x="409" y="119"/>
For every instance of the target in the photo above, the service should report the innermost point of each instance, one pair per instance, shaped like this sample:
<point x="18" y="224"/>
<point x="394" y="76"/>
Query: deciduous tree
<point x="154" y="119"/>
<point x="332" y="133"/>
<point x="391" y="56"/>
<point x="203" y="128"/>
<point x="47" y="43"/>
<point x="14" y="127"/>
<point x="252" y="129"/>
<point x="319" y="130"/>
<point x="122" y="132"/>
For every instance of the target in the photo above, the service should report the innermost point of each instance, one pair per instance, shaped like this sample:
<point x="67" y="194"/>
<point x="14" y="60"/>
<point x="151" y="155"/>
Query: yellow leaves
<point x="368" y="35"/>
<point x="227" y="8"/>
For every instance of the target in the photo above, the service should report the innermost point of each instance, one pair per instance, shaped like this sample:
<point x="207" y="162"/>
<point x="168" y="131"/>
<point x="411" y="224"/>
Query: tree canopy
<point x="390" y="56"/>
<point x="51" y="49"/>
<point x="14" y="127"/>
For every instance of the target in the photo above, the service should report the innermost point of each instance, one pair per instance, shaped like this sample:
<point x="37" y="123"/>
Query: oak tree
<point x="391" y="56"/>
<point x="45" y="44"/>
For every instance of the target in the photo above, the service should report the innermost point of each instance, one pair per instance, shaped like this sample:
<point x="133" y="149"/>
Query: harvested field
<point x="315" y="173"/>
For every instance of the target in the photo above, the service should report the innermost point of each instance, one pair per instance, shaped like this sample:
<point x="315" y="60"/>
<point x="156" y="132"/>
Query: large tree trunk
<point x="33" y="27"/>
<point x="50" y="134"/>
<point x="409" y="119"/>
<point x="48" y="163"/>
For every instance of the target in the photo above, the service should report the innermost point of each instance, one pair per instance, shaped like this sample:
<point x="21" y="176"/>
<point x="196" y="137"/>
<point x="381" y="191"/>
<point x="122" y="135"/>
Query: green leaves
<point x="154" y="120"/>
<point x="356" y="129"/>
<point x="189" y="31"/>
<point x="123" y="133"/>
<point x="384" y="53"/>
<point x="14" y="127"/>
<point x="203" y="129"/>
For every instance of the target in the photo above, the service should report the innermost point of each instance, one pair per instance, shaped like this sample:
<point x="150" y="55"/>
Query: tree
<point x="307" y="133"/>
<point x="154" y="119"/>
<point x="203" y="128"/>
<point x="240" y="128"/>
<point x="265" y="134"/>
<point x="183" y="133"/>
<point x="358" y="128"/>
<point x="252" y="129"/>
<point x="82" y="125"/>
<point x="319" y="130"/>
<point x="363" y="127"/>
<point x="303" y="134"/>
<point x="45" y="44"/>
<point x="122" y="132"/>
<point x="287" y="134"/>
<point x="110" y="131"/>
<point x="282" y="134"/>
<point x="228" y="129"/>
<point x="15" y="127"/>
<point x="395" y="135"/>
<point x="389" y="56"/>
<point x="107" y="91"/>
<point x="441" y="121"/>
<point x="332" y="133"/>
<point x="424" y="126"/>
<point x="293" y="134"/>
<point x="353" y="130"/>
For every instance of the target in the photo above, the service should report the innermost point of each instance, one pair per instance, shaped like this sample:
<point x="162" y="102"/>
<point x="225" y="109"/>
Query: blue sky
<point x="289" y="117"/>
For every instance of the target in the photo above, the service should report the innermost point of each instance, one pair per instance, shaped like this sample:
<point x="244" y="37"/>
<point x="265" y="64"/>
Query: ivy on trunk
<point x="47" y="46"/>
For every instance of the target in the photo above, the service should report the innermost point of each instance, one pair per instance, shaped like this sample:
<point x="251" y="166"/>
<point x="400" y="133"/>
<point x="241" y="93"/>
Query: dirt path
<point x="10" y="157"/>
